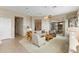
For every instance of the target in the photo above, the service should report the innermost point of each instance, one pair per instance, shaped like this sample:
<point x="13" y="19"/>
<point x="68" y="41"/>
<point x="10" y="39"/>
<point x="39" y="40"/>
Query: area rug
<point x="52" y="46"/>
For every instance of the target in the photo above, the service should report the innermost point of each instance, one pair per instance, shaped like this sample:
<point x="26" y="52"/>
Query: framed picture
<point x="38" y="24"/>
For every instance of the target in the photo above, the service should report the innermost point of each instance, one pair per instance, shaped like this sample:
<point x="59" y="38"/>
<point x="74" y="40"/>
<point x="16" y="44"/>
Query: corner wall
<point x="11" y="15"/>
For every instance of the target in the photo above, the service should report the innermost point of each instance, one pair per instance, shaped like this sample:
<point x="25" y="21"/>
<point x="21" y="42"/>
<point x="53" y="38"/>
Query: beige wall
<point x="5" y="13"/>
<point x="11" y="15"/>
<point x="45" y="23"/>
<point x="26" y="22"/>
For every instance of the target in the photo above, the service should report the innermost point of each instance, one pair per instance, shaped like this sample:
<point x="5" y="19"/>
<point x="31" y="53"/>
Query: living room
<point x="50" y="23"/>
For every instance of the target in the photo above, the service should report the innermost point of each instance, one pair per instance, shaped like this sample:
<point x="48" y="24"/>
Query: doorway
<point x="58" y="28"/>
<point x="18" y="26"/>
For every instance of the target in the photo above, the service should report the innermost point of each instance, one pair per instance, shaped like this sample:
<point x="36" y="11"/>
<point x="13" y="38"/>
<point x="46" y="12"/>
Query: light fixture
<point x="61" y="23"/>
<point x="48" y="17"/>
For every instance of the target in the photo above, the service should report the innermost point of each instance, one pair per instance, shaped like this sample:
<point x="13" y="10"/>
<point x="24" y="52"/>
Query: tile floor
<point x="13" y="46"/>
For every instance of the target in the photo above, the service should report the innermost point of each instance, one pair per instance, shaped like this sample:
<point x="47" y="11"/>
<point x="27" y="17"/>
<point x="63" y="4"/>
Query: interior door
<point x="19" y="26"/>
<point x="5" y="28"/>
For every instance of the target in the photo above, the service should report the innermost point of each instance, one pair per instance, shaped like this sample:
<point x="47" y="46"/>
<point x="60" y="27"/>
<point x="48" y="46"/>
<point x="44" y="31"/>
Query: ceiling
<point x="42" y="10"/>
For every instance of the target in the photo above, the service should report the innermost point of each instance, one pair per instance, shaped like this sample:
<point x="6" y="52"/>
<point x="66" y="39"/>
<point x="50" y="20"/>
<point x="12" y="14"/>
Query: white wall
<point x="26" y="22"/>
<point x="5" y="27"/>
<point x="11" y="30"/>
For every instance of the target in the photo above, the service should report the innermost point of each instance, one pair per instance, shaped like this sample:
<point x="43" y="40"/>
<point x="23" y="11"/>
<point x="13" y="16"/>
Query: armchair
<point x="38" y="40"/>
